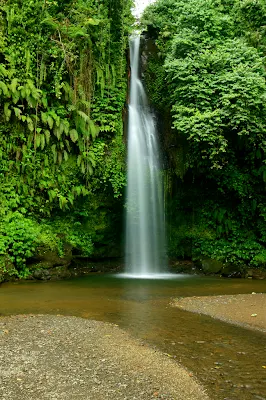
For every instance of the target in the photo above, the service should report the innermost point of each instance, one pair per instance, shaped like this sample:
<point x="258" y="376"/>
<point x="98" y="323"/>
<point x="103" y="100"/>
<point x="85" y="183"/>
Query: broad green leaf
<point x="7" y="111"/>
<point x="50" y="121"/>
<point x="4" y="88"/>
<point x="17" y="112"/>
<point x="73" y="135"/>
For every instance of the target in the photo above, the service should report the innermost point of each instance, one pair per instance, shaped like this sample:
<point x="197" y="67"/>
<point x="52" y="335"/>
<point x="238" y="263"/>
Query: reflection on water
<point x="227" y="359"/>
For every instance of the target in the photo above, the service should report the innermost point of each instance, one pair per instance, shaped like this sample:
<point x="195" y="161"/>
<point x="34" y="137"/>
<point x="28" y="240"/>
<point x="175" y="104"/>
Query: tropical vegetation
<point x="206" y="76"/>
<point x="63" y="88"/>
<point x="63" y="100"/>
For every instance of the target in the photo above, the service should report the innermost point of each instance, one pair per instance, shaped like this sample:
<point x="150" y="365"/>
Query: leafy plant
<point x="207" y="79"/>
<point x="63" y="87"/>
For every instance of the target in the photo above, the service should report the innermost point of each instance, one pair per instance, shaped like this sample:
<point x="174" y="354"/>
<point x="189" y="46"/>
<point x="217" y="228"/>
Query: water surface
<point x="227" y="359"/>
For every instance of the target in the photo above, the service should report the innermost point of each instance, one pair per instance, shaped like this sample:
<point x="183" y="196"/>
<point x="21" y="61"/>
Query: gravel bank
<point x="68" y="358"/>
<point x="247" y="310"/>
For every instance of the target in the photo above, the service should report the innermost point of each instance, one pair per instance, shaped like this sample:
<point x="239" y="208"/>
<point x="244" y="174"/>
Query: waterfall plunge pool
<point x="227" y="359"/>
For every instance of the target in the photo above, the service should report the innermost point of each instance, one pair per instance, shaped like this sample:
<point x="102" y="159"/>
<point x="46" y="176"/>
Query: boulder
<point x="182" y="266"/>
<point x="210" y="266"/>
<point x="51" y="273"/>
<point x="7" y="269"/>
<point x="47" y="265"/>
<point x="256" y="273"/>
<point x="60" y="273"/>
<point x="41" y="274"/>
<point x="232" y="271"/>
<point x="50" y="259"/>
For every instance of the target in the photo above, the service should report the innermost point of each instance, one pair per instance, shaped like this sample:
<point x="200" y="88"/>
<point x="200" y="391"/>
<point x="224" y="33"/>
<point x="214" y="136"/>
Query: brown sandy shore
<point x="69" y="358"/>
<point x="247" y="310"/>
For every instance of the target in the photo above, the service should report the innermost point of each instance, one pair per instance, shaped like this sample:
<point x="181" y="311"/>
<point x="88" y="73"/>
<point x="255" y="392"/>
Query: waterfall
<point x="145" y="230"/>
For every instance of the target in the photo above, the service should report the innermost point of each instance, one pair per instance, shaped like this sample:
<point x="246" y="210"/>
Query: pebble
<point x="103" y="368"/>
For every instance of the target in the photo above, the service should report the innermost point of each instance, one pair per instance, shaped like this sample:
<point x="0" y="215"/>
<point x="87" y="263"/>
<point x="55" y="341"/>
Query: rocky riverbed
<point x="247" y="310"/>
<point x="63" y="358"/>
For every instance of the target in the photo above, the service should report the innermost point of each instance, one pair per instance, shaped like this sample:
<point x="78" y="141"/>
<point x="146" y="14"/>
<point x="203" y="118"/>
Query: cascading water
<point x="145" y="230"/>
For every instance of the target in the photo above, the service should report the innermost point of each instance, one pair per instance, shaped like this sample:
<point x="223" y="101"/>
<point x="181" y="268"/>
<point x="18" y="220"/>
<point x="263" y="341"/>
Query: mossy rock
<point x="47" y="258"/>
<point x="181" y="266"/>
<point x="7" y="269"/>
<point x="256" y="273"/>
<point x="42" y="274"/>
<point x="43" y="265"/>
<point x="56" y="273"/>
<point x="47" y="265"/>
<point x="233" y="271"/>
<point x="210" y="266"/>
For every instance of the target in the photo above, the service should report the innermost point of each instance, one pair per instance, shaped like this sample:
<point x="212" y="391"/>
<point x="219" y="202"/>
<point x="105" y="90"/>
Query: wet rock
<point x="182" y="266"/>
<point x="259" y="274"/>
<point x="41" y="274"/>
<point x="231" y="271"/>
<point x="61" y="272"/>
<point x="56" y="273"/>
<point x="256" y="273"/>
<point x="47" y="264"/>
<point x="81" y="266"/>
<point x="49" y="258"/>
<point x="7" y="268"/>
<point x="236" y="274"/>
<point x="210" y="266"/>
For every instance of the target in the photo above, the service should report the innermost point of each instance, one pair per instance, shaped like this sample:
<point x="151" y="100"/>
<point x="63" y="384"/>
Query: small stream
<point x="227" y="359"/>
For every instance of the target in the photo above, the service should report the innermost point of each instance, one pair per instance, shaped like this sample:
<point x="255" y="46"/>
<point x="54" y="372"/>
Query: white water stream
<point x="145" y="230"/>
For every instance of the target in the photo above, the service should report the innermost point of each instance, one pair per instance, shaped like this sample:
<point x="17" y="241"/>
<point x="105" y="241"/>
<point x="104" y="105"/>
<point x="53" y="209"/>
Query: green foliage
<point x="18" y="240"/>
<point x="250" y="16"/>
<point x="208" y="81"/>
<point x="259" y="259"/>
<point x="73" y="232"/>
<point x="214" y="233"/>
<point x="60" y="86"/>
<point x="63" y="86"/>
<point x="20" y="237"/>
<point x="218" y="98"/>
<point x="110" y="171"/>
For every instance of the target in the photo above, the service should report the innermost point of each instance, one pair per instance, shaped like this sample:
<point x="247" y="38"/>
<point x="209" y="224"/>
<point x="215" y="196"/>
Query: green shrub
<point x="20" y="238"/>
<point x="74" y="233"/>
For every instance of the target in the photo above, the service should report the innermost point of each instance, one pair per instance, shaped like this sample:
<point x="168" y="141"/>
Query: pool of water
<point x="227" y="359"/>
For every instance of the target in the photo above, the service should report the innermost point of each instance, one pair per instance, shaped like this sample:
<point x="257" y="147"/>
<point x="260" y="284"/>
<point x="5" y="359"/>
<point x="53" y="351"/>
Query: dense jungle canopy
<point x="63" y="88"/>
<point x="206" y="75"/>
<point x="63" y="101"/>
